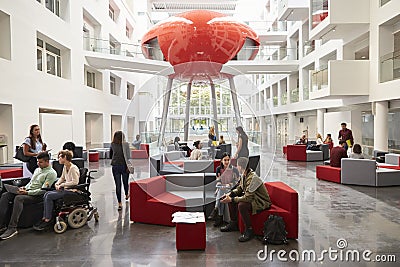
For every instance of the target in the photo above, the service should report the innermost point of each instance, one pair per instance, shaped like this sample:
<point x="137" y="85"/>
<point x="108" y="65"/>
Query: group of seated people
<point x="195" y="153"/>
<point x="338" y="152"/>
<point x="243" y="191"/>
<point x="311" y="145"/>
<point x="43" y="177"/>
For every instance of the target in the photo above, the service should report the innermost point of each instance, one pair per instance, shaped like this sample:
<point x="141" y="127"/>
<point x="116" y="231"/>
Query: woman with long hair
<point x="242" y="144"/>
<point x="227" y="176"/>
<point x="119" y="153"/>
<point x="32" y="145"/>
<point x="196" y="153"/>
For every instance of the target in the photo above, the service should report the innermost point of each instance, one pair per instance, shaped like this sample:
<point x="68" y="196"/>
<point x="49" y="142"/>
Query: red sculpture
<point x="200" y="36"/>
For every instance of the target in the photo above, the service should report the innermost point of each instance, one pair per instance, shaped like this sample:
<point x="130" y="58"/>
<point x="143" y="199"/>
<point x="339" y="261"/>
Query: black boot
<point x="219" y="220"/>
<point x="247" y="235"/>
<point x="213" y="214"/>
<point x="230" y="227"/>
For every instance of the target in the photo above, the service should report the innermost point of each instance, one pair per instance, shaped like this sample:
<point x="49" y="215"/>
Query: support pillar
<point x="291" y="125"/>
<point x="320" y="121"/>
<point x="235" y="102"/>
<point x="167" y="98"/>
<point x="187" y="112"/>
<point x="381" y="126"/>
<point x="215" y="111"/>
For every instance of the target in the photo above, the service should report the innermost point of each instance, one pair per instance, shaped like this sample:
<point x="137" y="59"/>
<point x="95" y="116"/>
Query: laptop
<point x="11" y="188"/>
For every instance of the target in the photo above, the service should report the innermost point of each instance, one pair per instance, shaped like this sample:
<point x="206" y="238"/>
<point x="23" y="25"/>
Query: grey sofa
<point x="365" y="172"/>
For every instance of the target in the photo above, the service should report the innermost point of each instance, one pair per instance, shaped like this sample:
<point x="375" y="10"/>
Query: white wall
<point x="332" y="121"/>
<point x="56" y="129"/>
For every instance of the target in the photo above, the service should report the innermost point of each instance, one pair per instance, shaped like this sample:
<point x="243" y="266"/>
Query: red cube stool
<point x="94" y="156"/>
<point x="191" y="236"/>
<point x="328" y="173"/>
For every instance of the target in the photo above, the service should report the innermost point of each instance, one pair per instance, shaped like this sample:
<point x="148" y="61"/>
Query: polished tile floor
<point x="367" y="218"/>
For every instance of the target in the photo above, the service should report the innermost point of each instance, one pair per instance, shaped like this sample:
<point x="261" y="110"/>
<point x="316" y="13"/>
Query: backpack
<point x="274" y="231"/>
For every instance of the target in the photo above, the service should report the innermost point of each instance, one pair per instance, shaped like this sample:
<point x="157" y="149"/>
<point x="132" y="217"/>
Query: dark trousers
<point x="119" y="171"/>
<point x="18" y="206"/>
<point x="49" y="199"/>
<point x="245" y="211"/>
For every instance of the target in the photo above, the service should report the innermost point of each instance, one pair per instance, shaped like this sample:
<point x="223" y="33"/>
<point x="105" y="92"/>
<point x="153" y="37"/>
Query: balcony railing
<point x="269" y="26"/>
<point x="203" y="110"/>
<point x="319" y="79"/>
<point x="390" y="67"/>
<point x="284" y="98"/>
<point x="265" y="52"/>
<point x="319" y="11"/>
<point x="294" y="95"/>
<point x="306" y="93"/>
<point x="275" y="101"/>
<point x="308" y="48"/>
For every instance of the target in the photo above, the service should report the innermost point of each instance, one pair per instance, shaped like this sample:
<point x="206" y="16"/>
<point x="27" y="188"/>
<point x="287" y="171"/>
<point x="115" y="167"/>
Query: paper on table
<point x="188" y="217"/>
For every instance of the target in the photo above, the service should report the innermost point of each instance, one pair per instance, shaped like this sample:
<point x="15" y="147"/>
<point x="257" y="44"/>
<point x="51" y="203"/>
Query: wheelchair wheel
<point x="77" y="218"/>
<point x="60" y="227"/>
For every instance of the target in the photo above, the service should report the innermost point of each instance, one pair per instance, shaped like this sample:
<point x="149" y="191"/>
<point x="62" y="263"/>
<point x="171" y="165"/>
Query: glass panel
<point x="39" y="42"/>
<point x="383" y="2"/>
<point x="50" y="5"/>
<point x="319" y="11"/>
<point x="367" y="133"/>
<point x="39" y="59"/>
<point x="52" y="49"/>
<point x="59" y="66"/>
<point x="51" y="64"/>
<point x="393" y="134"/>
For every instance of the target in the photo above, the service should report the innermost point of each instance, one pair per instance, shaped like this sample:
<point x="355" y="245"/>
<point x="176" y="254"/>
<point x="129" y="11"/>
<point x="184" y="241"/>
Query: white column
<point x="291" y="125"/>
<point x="167" y="98"/>
<point x="187" y="111"/>
<point x="320" y="121"/>
<point x="215" y="110"/>
<point x="381" y="126"/>
<point x="264" y="132"/>
<point x="235" y="102"/>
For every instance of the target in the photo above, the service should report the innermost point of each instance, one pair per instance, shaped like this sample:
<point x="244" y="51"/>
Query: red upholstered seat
<point x="150" y="203"/>
<point x="296" y="153"/>
<point x="94" y="156"/>
<point x="328" y="173"/>
<point x="139" y="154"/>
<point x="11" y="173"/>
<point x="190" y="236"/>
<point x="145" y="147"/>
<point x="394" y="167"/>
<point x="284" y="149"/>
<point x="284" y="203"/>
<point x="176" y="163"/>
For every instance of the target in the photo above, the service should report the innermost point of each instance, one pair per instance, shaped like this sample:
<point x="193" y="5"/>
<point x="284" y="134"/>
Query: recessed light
<point x="363" y="57"/>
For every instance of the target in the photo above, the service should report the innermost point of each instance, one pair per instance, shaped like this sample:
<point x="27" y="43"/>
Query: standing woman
<point x="242" y="144"/>
<point x="119" y="153"/>
<point x="33" y="145"/>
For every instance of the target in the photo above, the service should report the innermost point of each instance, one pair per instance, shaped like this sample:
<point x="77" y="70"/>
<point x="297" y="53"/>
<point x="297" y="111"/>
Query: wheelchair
<point x="75" y="210"/>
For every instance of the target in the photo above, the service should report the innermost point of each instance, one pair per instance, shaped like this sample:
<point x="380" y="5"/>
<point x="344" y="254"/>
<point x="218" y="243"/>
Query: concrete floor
<point x="367" y="218"/>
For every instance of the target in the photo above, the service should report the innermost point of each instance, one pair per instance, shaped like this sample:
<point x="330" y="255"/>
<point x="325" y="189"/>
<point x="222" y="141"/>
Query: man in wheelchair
<point x="43" y="177"/>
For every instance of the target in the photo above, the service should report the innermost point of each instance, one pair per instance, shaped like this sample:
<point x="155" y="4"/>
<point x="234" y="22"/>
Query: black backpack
<point x="274" y="231"/>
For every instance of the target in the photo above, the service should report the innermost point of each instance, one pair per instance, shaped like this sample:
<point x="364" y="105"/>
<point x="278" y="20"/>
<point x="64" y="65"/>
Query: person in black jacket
<point x="119" y="153"/>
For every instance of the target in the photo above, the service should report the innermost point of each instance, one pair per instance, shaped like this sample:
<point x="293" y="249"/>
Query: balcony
<point x="269" y="32"/>
<point x="293" y="10"/>
<point x="338" y="19"/>
<point x="339" y="79"/>
<point x="294" y="95"/>
<point x="389" y="67"/>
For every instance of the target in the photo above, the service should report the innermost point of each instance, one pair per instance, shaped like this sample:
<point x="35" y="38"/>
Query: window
<point x="113" y="87"/>
<point x="127" y="32"/>
<point x="383" y="2"/>
<point x="130" y="91"/>
<point x="111" y="12"/>
<point x="53" y="6"/>
<point x="48" y="58"/>
<point x="113" y="48"/>
<point x="90" y="79"/>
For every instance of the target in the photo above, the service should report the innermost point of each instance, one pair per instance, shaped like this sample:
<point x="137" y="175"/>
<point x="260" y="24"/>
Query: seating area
<point x="300" y="153"/>
<point x="360" y="172"/>
<point x="142" y="153"/>
<point x="168" y="194"/>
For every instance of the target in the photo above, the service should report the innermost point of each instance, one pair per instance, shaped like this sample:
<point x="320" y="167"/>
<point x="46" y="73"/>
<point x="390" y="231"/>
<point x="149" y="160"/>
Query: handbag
<point x="19" y="155"/>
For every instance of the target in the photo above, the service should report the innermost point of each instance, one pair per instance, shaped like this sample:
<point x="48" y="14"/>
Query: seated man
<point x="136" y="143"/>
<point x="250" y="197"/>
<point x="44" y="176"/>
<point x="337" y="153"/>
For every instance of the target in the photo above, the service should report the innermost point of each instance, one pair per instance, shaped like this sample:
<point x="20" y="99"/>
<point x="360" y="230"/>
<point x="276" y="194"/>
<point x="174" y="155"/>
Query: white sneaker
<point x="9" y="233"/>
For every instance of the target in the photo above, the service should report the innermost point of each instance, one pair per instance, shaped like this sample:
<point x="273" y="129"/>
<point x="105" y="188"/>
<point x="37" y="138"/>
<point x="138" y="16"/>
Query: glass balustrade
<point x="390" y="67"/>
<point x="306" y="93"/>
<point x="294" y="95"/>
<point x="264" y="52"/>
<point x="319" y="11"/>
<point x="284" y="98"/>
<point x="319" y="79"/>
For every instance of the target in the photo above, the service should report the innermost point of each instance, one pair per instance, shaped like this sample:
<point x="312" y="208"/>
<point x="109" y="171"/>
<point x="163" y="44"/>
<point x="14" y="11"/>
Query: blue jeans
<point x="220" y="206"/>
<point x="119" y="171"/>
